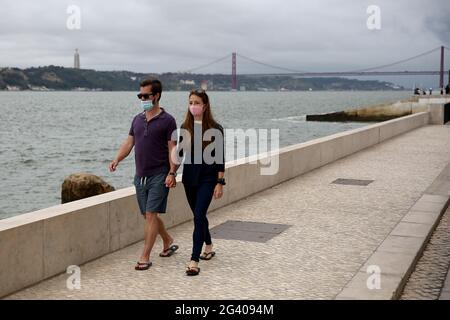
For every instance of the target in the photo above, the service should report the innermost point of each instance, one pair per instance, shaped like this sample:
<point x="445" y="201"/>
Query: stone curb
<point x="445" y="293"/>
<point x="384" y="275"/>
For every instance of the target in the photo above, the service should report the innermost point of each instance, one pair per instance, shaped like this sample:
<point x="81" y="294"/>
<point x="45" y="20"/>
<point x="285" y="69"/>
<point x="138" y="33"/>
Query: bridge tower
<point x="441" y="80"/>
<point x="233" y="72"/>
<point x="76" y="60"/>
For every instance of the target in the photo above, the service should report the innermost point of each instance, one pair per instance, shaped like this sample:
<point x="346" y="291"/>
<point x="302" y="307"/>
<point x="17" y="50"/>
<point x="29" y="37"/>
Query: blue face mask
<point x="147" y="105"/>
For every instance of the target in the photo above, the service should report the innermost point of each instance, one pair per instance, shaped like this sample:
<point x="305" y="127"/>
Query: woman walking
<point x="202" y="178"/>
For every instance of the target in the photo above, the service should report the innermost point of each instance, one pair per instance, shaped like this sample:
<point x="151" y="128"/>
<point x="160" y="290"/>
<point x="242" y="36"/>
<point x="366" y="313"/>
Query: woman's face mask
<point x="196" y="105"/>
<point x="196" y="109"/>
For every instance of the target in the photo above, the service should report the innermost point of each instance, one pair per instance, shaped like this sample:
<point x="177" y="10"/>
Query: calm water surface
<point x="46" y="136"/>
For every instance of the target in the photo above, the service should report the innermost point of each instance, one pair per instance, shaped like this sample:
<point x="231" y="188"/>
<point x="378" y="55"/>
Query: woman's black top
<point x="193" y="173"/>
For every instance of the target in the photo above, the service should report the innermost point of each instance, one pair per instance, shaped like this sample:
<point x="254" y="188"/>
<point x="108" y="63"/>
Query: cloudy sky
<point x="177" y="35"/>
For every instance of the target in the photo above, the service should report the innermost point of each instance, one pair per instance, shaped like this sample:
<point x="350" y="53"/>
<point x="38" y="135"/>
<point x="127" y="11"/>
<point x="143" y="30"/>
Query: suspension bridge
<point x="371" y="71"/>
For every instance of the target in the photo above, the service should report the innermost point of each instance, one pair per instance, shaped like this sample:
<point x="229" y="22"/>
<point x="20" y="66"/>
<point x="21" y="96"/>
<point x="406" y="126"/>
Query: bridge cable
<point x="270" y="65"/>
<point x="398" y="62"/>
<point x="207" y="64"/>
<point x="355" y="71"/>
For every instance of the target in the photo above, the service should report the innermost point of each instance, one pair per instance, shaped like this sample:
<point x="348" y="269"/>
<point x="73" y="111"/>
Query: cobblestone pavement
<point x="335" y="228"/>
<point x="427" y="280"/>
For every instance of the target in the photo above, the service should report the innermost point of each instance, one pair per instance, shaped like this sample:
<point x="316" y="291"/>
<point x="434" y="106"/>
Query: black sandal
<point x="207" y="255"/>
<point x="140" y="266"/>
<point x="192" y="271"/>
<point x="169" y="251"/>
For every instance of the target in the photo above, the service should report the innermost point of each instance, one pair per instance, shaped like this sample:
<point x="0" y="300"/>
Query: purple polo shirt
<point x="150" y="143"/>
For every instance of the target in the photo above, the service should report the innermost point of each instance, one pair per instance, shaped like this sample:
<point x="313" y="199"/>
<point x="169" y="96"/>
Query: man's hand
<point x="171" y="182"/>
<point x="124" y="151"/>
<point x="113" y="165"/>
<point x="218" y="191"/>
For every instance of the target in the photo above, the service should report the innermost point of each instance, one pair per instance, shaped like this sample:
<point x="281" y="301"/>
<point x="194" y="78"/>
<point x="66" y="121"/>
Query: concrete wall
<point x="434" y="105"/>
<point x="41" y="244"/>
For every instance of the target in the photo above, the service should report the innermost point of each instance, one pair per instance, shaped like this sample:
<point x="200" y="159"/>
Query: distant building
<point x="204" y="85"/>
<point x="38" y="88"/>
<point x="76" y="60"/>
<point x="189" y="82"/>
<point x="12" y="88"/>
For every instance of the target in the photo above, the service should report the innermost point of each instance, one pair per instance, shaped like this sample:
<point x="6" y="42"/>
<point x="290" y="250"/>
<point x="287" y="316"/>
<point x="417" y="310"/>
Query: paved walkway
<point x="335" y="228"/>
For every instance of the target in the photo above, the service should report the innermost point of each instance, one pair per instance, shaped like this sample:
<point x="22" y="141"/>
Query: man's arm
<point x="124" y="151"/>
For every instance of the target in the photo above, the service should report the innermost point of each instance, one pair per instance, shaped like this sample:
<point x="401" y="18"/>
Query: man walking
<point x="150" y="134"/>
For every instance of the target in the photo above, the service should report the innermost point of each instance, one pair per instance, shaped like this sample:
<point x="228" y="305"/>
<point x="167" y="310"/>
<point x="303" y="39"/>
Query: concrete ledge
<point x="441" y="185"/>
<point x="398" y="126"/>
<point x="397" y="255"/>
<point x="355" y="290"/>
<point x="51" y="239"/>
<point x="15" y="271"/>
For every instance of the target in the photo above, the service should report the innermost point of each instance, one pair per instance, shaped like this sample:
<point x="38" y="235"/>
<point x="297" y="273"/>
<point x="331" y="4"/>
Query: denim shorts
<point x="152" y="193"/>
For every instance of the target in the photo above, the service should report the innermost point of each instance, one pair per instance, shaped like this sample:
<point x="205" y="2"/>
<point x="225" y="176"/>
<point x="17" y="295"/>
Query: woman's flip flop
<point x="207" y="255"/>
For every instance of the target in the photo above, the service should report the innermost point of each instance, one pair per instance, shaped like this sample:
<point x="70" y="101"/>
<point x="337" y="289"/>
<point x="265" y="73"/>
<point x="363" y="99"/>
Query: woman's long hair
<point x="208" y="121"/>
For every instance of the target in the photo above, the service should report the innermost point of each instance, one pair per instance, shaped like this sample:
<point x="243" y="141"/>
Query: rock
<point x="83" y="185"/>
<point x="381" y="112"/>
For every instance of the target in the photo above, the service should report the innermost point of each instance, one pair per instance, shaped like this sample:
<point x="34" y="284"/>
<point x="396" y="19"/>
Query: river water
<point x="46" y="136"/>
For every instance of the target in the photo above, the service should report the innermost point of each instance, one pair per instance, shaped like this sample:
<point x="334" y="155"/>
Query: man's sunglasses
<point x="146" y="96"/>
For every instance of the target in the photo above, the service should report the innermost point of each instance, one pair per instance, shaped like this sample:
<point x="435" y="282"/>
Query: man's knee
<point x="151" y="216"/>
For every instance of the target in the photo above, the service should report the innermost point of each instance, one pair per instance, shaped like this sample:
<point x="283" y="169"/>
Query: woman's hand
<point x="218" y="191"/>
